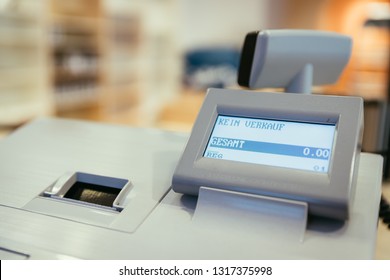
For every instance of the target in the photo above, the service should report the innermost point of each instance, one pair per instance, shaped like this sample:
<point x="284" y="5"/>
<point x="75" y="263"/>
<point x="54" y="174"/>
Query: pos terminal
<point x="299" y="147"/>
<point x="263" y="175"/>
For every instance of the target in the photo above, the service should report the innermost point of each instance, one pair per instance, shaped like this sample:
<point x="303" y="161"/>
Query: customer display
<point x="272" y="142"/>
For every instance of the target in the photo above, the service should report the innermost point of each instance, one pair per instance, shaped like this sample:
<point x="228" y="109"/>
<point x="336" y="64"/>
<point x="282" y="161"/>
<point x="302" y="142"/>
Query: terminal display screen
<point x="281" y="143"/>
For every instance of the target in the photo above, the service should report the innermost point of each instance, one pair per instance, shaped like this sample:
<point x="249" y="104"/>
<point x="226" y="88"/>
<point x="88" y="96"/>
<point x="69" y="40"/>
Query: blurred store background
<point x="137" y="62"/>
<point x="149" y="62"/>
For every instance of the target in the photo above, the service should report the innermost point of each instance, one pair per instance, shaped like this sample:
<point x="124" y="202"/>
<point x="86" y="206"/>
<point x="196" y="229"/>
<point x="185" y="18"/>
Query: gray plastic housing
<point x="328" y="194"/>
<point x="293" y="59"/>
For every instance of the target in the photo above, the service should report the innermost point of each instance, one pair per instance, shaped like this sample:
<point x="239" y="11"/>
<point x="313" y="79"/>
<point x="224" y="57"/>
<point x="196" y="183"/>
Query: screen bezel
<point x="328" y="193"/>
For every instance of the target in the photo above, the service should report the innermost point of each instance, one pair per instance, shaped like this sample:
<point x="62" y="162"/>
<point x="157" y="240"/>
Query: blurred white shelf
<point x="23" y="85"/>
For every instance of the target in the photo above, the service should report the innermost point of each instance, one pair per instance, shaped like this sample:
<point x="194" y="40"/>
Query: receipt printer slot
<point x="92" y="193"/>
<point x="90" y="190"/>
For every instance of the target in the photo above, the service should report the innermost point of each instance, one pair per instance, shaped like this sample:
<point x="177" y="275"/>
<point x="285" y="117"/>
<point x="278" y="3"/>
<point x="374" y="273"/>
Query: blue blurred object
<point x="211" y="67"/>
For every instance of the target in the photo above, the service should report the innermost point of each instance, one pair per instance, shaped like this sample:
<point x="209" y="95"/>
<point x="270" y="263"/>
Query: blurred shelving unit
<point x="370" y="78"/>
<point x="367" y="74"/>
<point x="112" y="60"/>
<point x="122" y="73"/>
<point x="75" y="56"/>
<point x="161" y="58"/>
<point x="142" y="58"/>
<point x="24" y="92"/>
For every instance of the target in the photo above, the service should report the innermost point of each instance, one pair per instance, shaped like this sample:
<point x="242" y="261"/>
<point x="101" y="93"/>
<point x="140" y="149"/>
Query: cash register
<point x="262" y="175"/>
